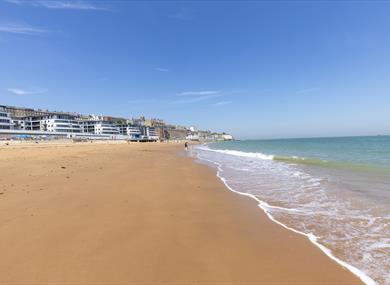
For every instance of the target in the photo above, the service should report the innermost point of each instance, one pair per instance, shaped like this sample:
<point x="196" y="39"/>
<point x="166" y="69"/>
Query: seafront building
<point x="149" y="132"/>
<point x="133" y="132"/>
<point x="129" y="129"/>
<point x="15" y="121"/>
<point x="100" y="127"/>
<point x="5" y="120"/>
<point x="57" y="123"/>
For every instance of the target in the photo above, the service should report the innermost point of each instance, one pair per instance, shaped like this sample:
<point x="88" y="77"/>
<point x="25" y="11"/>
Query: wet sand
<point x="139" y="214"/>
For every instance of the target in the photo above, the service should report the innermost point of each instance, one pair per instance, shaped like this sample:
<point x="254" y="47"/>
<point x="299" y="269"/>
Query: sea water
<point x="335" y="191"/>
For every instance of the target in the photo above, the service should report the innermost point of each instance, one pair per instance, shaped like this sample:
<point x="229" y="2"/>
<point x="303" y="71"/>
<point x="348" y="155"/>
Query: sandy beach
<point x="139" y="214"/>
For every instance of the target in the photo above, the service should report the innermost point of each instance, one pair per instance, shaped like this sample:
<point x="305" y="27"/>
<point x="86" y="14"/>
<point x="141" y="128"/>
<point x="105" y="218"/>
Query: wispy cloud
<point x="75" y="5"/>
<point x="198" y="93"/>
<point x="197" y="96"/>
<point x="308" y="90"/>
<point x="21" y="29"/>
<point x="58" y="4"/>
<point x="161" y="69"/>
<point x="18" y="91"/>
<point x="223" y="103"/>
<point x="189" y="100"/>
<point x="17" y="2"/>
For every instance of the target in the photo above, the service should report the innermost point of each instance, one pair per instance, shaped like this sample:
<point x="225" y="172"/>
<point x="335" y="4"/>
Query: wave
<point x="304" y="160"/>
<point x="240" y="153"/>
<point x="267" y="210"/>
<point x="330" y="164"/>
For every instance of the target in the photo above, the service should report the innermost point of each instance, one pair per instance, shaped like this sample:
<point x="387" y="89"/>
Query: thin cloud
<point x="198" y="93"/>
<point x="21" y="29"/>
<point x="161" y="69"/>
<point x="18" y="91"/>
<point x="58" y="4"/>
<point x="308" y="90"/>
<point x="16" y="2"/>
<point x="223" y="103"/>
<point x="190" y="100"/>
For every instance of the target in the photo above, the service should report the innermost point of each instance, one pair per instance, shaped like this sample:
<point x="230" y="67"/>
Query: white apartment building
<point x="192" y="137"/>
<point x="122" y="129"/>
<point x="19" y="124"/>
<point x="51" y="123"/>
<point x="223" y="137"/>
<point x="5" y="120"/>
<point x="100" y="128"/>
<point x="133" y="132"/>
<point x="64" y="125"/>
<point x="128" y="130"/>
<point x="149" y="133"/>
<point x="227" y="137"/>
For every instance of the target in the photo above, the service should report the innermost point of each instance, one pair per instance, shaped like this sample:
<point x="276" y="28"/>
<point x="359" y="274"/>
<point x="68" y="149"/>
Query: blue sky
<point x="256" y="69"/>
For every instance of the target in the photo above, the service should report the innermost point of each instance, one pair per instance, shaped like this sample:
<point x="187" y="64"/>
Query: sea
<point x="334" y="191"/>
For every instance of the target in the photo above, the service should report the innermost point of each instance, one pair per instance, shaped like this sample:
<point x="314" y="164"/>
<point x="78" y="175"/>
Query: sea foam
<point x="240" y="153"/>
<point x="269" y="208"/>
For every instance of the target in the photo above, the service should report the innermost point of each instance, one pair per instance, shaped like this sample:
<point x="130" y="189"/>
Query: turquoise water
<point x="336" y="191"/>
<point x="370" y="152"/>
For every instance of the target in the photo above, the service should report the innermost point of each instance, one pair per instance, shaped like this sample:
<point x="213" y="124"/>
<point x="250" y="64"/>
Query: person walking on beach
<point x="186" y="145"/>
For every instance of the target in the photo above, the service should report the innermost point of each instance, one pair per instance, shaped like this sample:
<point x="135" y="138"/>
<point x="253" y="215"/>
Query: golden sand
<point x="139" y="213"/>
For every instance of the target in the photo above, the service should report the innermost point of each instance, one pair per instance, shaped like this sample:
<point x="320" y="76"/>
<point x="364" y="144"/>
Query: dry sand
<point x="139" y="214"/>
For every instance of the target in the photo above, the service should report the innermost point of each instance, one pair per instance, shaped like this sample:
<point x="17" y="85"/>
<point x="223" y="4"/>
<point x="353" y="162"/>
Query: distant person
<point x="186" y="145"/>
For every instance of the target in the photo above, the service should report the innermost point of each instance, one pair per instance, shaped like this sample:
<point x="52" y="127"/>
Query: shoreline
<point x="312" y="238"/>
<point x="72" y="225"/>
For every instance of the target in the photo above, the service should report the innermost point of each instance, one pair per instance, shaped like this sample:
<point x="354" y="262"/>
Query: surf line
<point x="312" y="238"/>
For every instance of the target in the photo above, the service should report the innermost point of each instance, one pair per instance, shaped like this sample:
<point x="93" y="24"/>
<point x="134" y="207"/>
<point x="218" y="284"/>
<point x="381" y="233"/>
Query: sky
<point x="255" y="69"/>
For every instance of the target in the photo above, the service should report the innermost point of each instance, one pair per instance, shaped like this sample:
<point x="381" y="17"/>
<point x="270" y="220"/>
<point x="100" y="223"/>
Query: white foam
<point x="258" y="155"/>
<point x="379" y="245"/>
<point x="268" y="206"/>
<point x="265" y="207"/>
